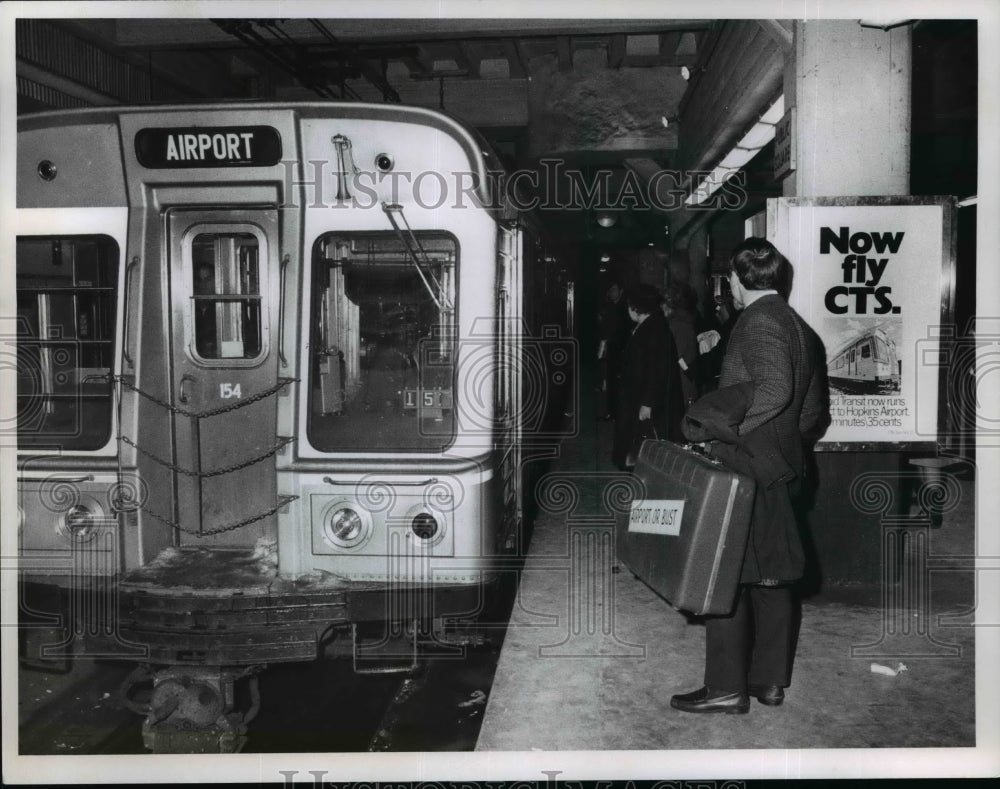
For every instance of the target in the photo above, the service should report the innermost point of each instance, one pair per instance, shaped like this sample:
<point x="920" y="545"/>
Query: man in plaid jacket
<point x="749" y="652"/>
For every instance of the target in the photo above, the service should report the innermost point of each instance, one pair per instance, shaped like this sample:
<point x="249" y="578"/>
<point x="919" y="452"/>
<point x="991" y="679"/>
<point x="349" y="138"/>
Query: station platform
<point x="592" y="655"/>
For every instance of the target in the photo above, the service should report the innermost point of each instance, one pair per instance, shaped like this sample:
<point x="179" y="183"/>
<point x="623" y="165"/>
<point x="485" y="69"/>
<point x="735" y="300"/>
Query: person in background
<point x="681" y="309"/>
<point x="716" y="326"/>
<point x="205" y="329"/>
<point x="649" y="390"/>
<point x="750" y="652"/>
<point x="615" y="328"/>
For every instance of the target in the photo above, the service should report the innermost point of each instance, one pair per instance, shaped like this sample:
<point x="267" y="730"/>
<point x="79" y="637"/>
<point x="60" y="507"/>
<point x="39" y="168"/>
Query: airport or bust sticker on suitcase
<point x="686" y="530"/>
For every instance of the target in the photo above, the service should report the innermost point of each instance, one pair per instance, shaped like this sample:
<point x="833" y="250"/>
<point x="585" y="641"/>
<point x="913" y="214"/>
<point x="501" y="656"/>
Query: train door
<point x="508" y="401"/>
<point x="868" y="371"/>
<point x="223" y="274"/>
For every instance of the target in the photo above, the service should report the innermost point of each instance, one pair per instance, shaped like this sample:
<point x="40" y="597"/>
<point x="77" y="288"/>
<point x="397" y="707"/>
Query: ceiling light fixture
<point x="749" y="145"/>
<point x="884" y="24"/>
<point x="606" y="220"/>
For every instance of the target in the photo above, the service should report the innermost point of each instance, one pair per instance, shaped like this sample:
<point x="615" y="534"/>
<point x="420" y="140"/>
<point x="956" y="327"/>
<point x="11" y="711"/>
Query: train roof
<point x="858" y="338"/>
<point x="479" y="151"/>
<point x="330" y="109"/>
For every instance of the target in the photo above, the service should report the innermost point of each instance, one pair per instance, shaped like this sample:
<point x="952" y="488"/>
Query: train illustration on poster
<point x="863" y="356"/>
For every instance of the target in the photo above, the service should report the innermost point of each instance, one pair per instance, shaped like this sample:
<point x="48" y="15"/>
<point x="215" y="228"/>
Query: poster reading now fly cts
<point x="874" y="278"/>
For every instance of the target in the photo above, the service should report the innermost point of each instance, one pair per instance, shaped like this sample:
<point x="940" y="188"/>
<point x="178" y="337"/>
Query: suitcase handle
<point x="699" y="449"/>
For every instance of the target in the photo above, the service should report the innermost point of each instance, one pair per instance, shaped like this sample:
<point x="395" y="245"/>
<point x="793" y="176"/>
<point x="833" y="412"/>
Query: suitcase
<point x="685" y="531"/>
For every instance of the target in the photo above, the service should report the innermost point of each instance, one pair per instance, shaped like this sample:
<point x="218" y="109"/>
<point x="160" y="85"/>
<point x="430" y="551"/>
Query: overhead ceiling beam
<point x="466" y="60"/>
<point x="515" y="61"/>
<point x="324" y="52"/>
<point x="168" y="32"/>
<point x="668" y="45"/>
<point x="564" y="49"/>
<point x="616" y="51"/>
<point x="417" y="65"/>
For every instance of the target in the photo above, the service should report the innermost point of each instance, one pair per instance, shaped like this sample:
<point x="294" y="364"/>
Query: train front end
<point x="264" y="401"/>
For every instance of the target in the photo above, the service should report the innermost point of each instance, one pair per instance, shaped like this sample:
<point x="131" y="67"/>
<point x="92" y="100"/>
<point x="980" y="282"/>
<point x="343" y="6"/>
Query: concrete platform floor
<point x="592" y="655"/>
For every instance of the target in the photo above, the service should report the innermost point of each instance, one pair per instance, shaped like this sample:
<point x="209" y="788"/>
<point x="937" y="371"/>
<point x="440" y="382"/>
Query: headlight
<point x="424" y="525"/>
<point x="346" y="526"/>
<point x="78" y="522"/>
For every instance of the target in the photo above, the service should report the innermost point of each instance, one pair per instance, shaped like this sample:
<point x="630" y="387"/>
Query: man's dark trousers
<point x="729" y="665"/>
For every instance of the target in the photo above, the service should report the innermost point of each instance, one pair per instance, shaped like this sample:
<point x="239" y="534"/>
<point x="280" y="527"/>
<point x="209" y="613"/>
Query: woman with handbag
<point x="650" y="403"/>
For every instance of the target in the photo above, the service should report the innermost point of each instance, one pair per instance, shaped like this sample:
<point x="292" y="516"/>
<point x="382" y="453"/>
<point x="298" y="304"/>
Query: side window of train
<point x="383" y="342"/>
<point x="226" y="296"/>
<point x="66" y="314"/>
<point x="866" y="351"/>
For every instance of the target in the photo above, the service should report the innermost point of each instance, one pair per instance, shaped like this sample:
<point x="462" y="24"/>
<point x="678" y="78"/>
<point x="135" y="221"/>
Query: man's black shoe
<point x="708" y="700"/>
<point x="771" y="695"/>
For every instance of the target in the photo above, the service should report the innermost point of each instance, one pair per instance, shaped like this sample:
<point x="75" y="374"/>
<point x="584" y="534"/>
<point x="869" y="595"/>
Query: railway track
<point x="76" y="711"/>
<point x="436" y="708"/>
<point x="861" y="387"/>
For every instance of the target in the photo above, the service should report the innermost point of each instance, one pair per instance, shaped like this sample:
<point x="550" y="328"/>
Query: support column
<point x="850" y="86"/>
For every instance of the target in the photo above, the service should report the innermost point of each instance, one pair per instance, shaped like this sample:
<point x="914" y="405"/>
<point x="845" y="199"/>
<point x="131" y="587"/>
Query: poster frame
<point x="778" y="213"/>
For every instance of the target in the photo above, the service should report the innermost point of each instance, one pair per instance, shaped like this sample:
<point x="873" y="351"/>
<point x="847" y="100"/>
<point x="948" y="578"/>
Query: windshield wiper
<point x="412" y="246"/>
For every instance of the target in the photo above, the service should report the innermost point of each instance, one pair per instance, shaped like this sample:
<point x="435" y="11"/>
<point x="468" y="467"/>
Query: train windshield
<point x="383" y="346"/>
<point x="65" y="340"/>
<point x="881" y="350"/>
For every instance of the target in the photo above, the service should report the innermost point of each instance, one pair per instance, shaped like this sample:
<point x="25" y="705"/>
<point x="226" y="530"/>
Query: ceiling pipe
<point x="378" y="80"/>
<point x="782" y="35"/>
<point x="243" y="30"/>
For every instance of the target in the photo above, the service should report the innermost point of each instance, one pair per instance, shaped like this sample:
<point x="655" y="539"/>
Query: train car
<point x="281" y="369"/>
<point x="866" y="364"/>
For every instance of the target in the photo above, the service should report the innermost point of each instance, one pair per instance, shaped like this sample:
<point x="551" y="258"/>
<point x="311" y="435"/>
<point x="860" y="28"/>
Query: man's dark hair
<point x="758" y="264"/>
<point x="644" y="299"/>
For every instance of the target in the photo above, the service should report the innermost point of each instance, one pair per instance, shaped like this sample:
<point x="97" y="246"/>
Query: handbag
<point x="646" y="430"/>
